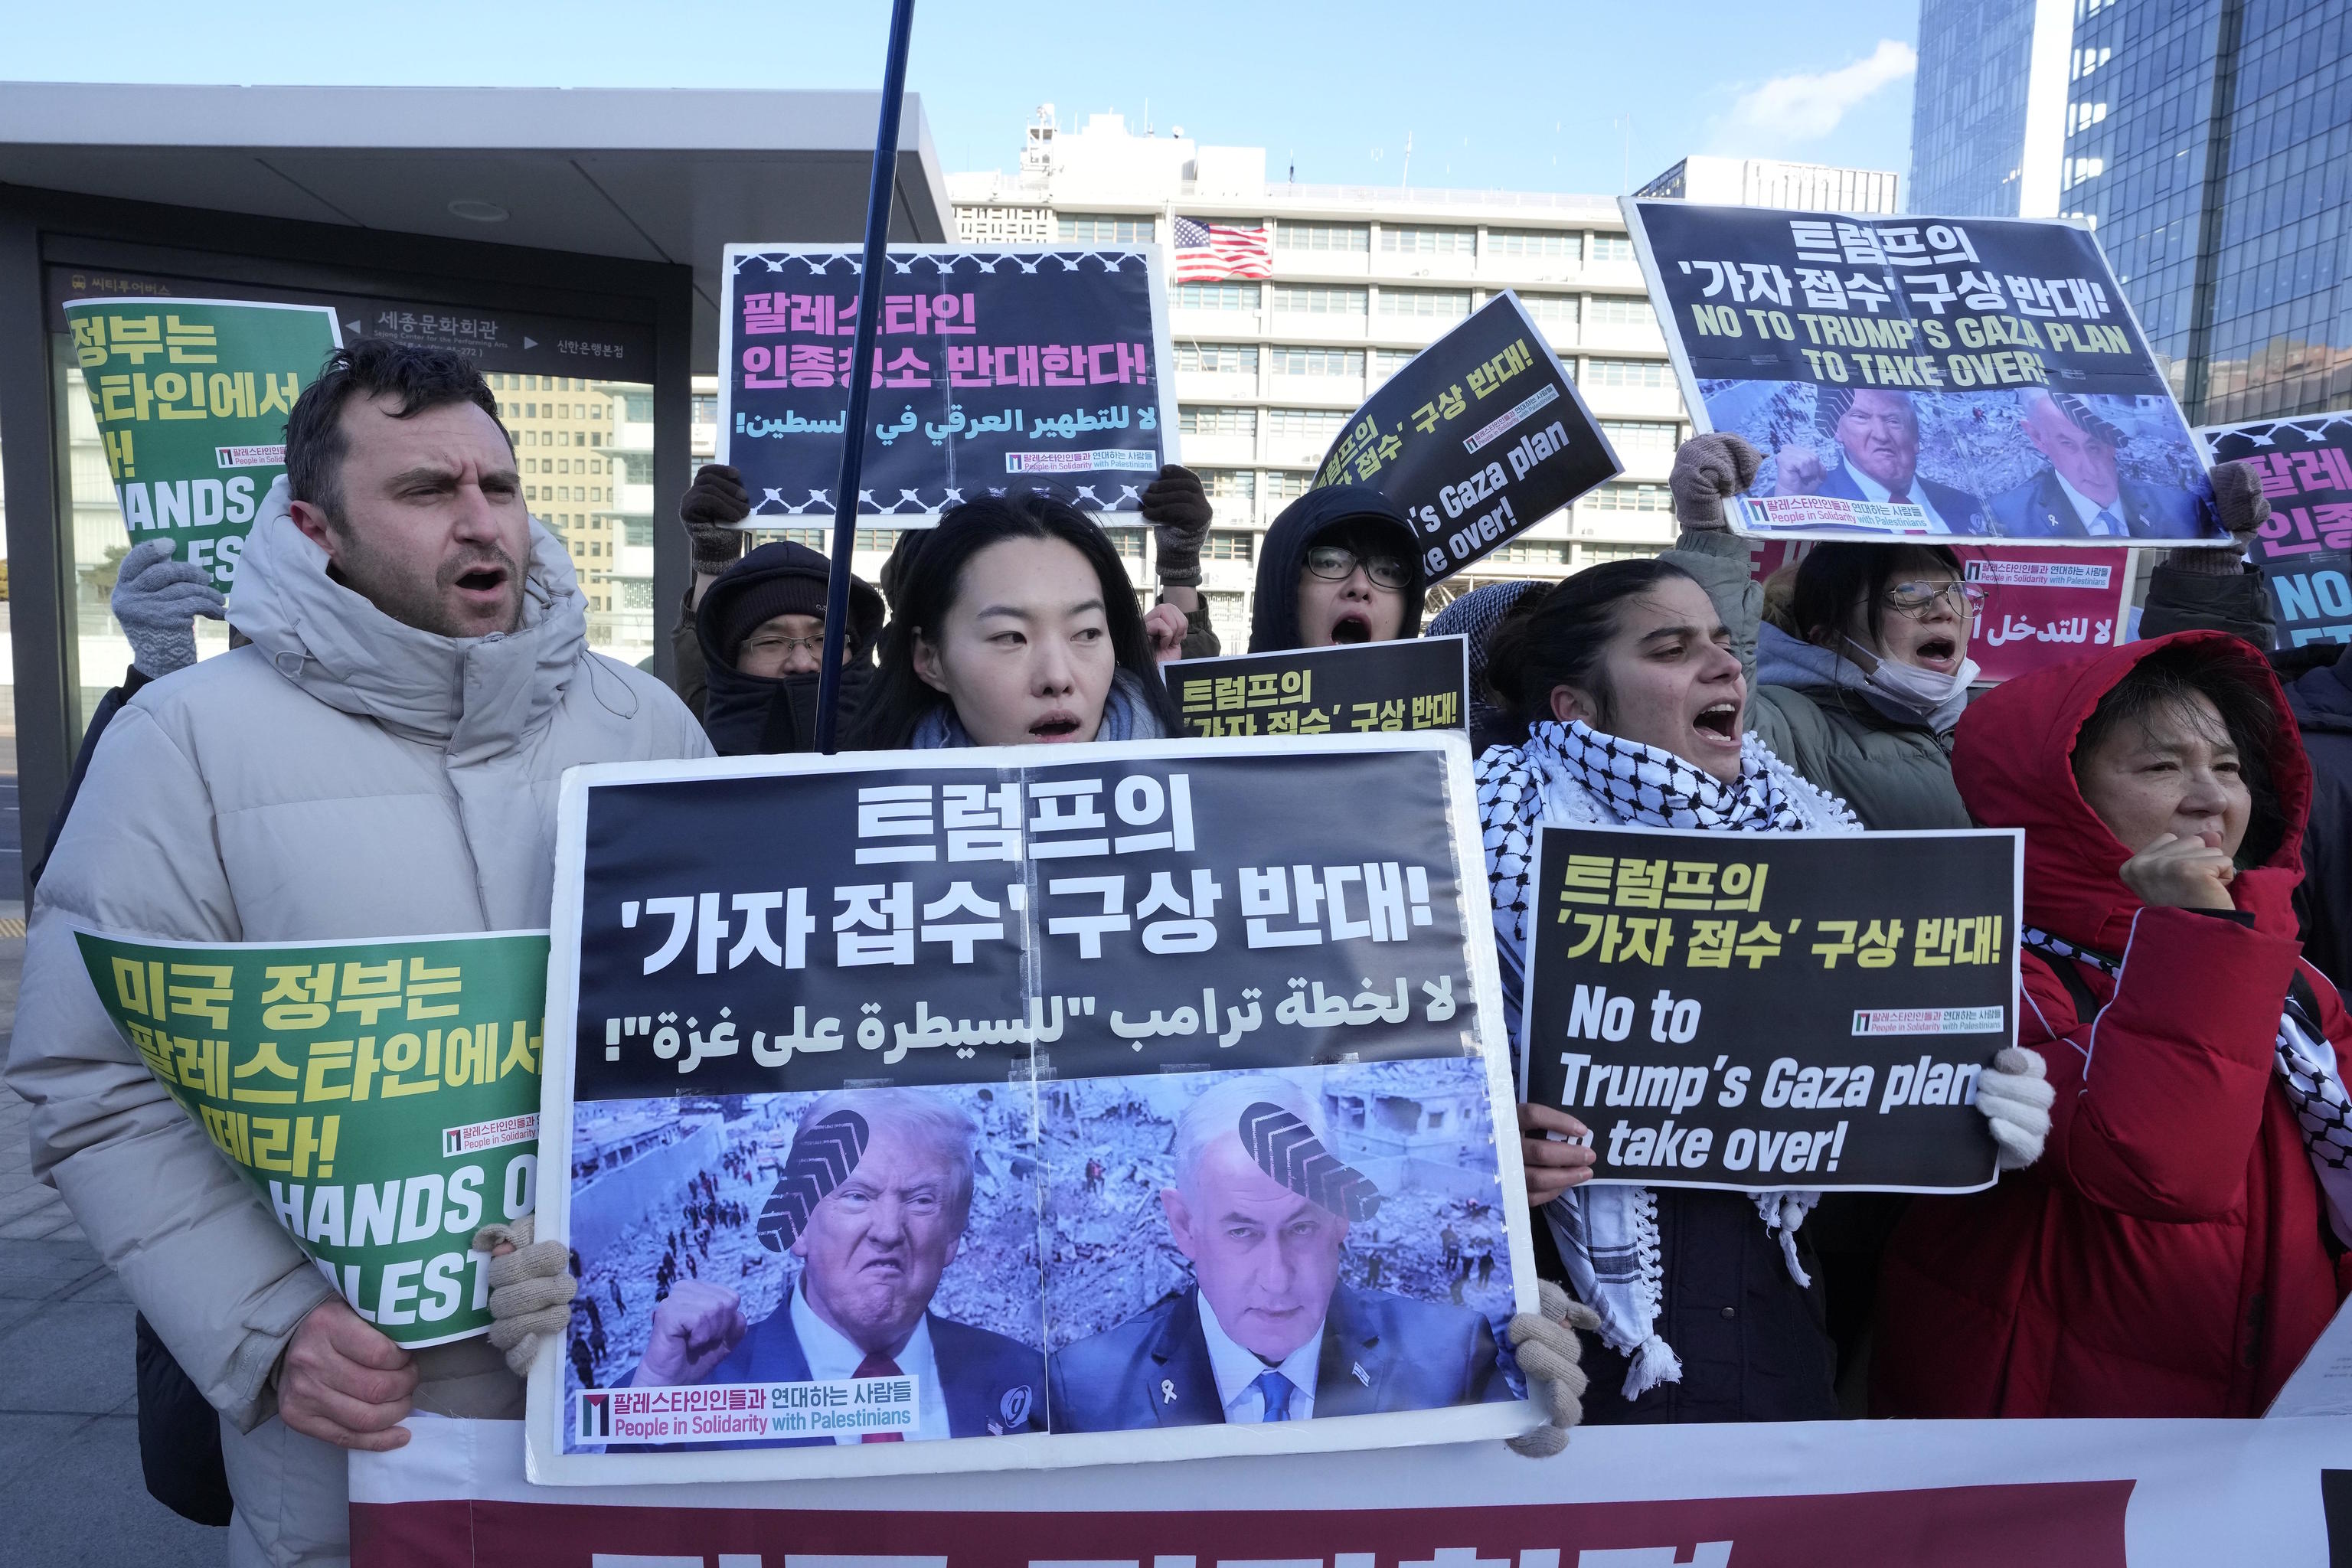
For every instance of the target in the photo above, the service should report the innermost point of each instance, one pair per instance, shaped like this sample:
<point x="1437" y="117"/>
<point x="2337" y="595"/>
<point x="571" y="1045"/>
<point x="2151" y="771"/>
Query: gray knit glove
<point x="1176" y="505"/>
<point x="156" y="601"/>
<point x="2242" y="509"/>
<point x="1708" y="471"/>
<point x="1546" y="1344"/>
<point x="2015" y="1096"/>
<point x="716" y="498"/>
<point x="530" y="1289"/>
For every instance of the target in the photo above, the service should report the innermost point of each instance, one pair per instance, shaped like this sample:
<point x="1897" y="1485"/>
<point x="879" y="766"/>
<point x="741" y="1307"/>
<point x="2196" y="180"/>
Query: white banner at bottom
<point x="1927" y="1494"/>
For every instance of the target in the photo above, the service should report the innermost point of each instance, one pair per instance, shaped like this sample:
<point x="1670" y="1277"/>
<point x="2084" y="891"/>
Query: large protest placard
<point x="912" y="1104"/>
<point x="192" y="398"/>
<point x="1907" y="376"/>
<point x="2305" y="551"/>
<point x="1790" y="1010"/>
<point x="2040" y="608"/>
<point x="1819" y="1494"/>
<point x="993" y="367"/>
<point x="1412" y="683"/>
<point x="1479" y="437"/>
<point x="383" y="1097"/>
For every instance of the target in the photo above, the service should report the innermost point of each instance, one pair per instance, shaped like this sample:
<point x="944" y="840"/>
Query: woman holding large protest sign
<point x="1013" y="623"/>
<point x="1634" y="702"/>
<point x="2170" y="1256"/>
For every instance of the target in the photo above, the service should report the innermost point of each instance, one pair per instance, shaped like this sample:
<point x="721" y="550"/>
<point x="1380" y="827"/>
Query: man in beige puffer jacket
<point x="382" y="761"/>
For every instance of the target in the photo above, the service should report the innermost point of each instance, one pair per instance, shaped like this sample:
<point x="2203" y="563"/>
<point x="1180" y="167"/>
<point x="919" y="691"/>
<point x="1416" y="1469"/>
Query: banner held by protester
<point x="2305" y="551"/>
<point x="192" y="398"/>
<point x="1479" y="437"/>
<point x="1806" y="1010"/>
<point x="382" y="1096"/>
<point x="1409" y="683"/>
<point x="1078" y="996"/>
<point x="1909" y="377"/>
<point x="2038" y="609"/>
<point x="994" y="367"/>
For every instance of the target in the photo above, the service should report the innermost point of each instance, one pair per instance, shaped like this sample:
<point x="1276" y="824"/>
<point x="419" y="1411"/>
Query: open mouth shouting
<point x="1941" y="654"/>
<point x="1351" y="628"/>
<point x="1717" y="725"/>
<point x="1059" y="726"/>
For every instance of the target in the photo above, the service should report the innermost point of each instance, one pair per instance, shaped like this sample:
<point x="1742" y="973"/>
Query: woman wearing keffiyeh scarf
<point x="1633" y="700"/>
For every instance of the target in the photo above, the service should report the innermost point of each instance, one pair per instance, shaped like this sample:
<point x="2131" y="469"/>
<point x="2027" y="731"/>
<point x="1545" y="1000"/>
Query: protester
<point x="2320" y="697"/>
<point x="1474" y="617"/>
<point x="2212" y="587"/>
<point x="383" y="760"/>
<point x="1176" y="505"/>
<point x="1339" y="565"/>
<point x="1633" y="701"/>
<point x="1013" y="623"/>
<point x="712" y="504"/>
<point x="2170" y="1254"/>
<point x="760" y="629"/>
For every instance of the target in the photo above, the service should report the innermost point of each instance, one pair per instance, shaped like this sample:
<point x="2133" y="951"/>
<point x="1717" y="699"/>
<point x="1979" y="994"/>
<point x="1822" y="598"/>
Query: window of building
<point x="1633" y="437"/>
<point x="1386" y="363"/>
<point x="1355" y="236"/>
<point x="1089" y="228"/>
<point x="1198" y="420"/>
<point x="1615" y="310"/>
<point x="1229" y="484"/>
<point x="1230" y="545"/>
<point x="1313" y="301"/>
<point x="1544" y="242"/>
<point x="706" y="408"/>
<point x="637" y="467"/>
<point x="1285" y="485"/>
<point x="1128" y="541"/>
<point x="1320" y="424"/>
<point x="640" y="406"/>
<point x="1216" y="296"/>
<point x="1628" y="372"/>
<point x="1553" y="310"/>
<point x="1218" y="358"/>
<point x="1530" y="553"/>
<point x="1444" y="304"/>
<point x="1594" y="554"/>
<point x="1317" y="361"/>
<point x="1612" y="247"/>
<point x="1626" y="498"/>
<point x="1416" y="241"/>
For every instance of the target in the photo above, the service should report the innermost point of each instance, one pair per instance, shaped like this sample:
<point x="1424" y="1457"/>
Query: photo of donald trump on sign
<point x="1276" y="1312"/>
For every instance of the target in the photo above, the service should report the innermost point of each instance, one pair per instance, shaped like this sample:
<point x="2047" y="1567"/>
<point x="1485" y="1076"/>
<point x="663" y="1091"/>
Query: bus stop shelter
<point x="560" y="238"/>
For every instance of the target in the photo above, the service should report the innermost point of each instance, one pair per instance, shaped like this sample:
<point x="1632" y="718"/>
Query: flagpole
<point x="878" y="200"/>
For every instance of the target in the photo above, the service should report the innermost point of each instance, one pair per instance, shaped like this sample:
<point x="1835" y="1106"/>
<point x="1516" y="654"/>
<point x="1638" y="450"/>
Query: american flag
<point x="1209" y="252"/>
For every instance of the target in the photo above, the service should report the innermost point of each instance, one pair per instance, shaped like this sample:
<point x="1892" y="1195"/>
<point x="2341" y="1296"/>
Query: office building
<point x="2206" y="140"/>
<point x="1768" y="183"/>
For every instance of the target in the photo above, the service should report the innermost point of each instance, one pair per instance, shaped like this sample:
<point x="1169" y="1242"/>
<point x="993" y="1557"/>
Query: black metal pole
<point x="861" y="372"/>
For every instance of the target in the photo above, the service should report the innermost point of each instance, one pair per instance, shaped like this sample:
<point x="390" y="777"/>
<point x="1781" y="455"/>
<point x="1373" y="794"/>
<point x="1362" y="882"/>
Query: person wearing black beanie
<point x="761" y="627"/>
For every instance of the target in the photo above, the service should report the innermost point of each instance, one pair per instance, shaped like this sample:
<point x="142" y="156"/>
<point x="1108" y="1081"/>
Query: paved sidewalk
<point x="70" y="1490"/>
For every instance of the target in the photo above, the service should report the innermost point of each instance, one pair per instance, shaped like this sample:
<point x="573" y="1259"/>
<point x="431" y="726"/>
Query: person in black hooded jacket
<point x="1339" y="565"/>
<point x="761" y="628"/>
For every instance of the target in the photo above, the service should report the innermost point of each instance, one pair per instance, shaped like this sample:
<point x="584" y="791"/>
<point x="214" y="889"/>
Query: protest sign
<point x="1824" y="1494"/>
<point x="383" y="1097"/>
<point x="1751" y="1011"/>
<point x="1480" y="436"/>
<point x="1051" y="1004"/>
<point x="2040" y="608"/>
<point x="1412" y="683"/>
<point x="993" y="367"/>
<point x="192" y="398"/>
<point x="2305" y="548"/>
<point x="1907" y="376"/>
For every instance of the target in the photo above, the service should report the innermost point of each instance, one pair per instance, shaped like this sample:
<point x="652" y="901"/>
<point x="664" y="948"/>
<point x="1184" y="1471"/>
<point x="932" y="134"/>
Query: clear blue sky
<point x="1501" y="94"/>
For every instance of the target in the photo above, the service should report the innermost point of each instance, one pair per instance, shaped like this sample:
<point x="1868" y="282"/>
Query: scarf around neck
<point x="1569" y="773"/>
<point x="1128" y="715"/>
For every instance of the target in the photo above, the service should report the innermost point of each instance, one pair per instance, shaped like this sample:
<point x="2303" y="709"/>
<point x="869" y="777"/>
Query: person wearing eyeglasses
<point x="1339" y="565"/>
<point x="761" y="627"/>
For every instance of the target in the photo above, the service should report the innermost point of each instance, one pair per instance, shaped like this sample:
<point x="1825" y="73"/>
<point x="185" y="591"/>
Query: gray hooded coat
<point x="346" y="776"/>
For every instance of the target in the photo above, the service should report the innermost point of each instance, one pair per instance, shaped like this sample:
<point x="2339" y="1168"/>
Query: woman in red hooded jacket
<point x="2173" y="1253"/>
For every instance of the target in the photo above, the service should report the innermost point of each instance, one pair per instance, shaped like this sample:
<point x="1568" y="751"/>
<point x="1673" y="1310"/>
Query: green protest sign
<point x="382" y="1096"/>
<point x="192" y="397"/>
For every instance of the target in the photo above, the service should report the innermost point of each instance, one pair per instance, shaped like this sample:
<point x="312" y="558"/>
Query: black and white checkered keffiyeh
<point x="1567" y="775"/>
<point x="2307" y="1070"/>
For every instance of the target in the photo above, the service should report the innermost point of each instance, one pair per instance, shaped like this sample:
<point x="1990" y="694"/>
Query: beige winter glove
<point x="530" y="1289"/>
<point x="2015" y="1096"/>
<point x="1708" y="471"/>
<point x="1548" y="1352"/>
<point x="2242" y="509"/>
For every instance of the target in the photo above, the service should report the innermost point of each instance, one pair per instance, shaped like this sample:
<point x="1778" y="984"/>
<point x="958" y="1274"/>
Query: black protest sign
<point x="2305" y="548"/>
<point x="1413" y="683"/>
<point x="1754" y="1011"/>
<point x="993" y="369"/>
<point x="1479" y="438"/>
<point x="940" y="920"/>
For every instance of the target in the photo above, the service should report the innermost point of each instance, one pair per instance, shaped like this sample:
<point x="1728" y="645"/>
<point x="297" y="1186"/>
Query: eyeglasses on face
<point x="775" y="642"/>
<point x="1920" y="598"/>
<point x="1334" y="563"/>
